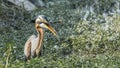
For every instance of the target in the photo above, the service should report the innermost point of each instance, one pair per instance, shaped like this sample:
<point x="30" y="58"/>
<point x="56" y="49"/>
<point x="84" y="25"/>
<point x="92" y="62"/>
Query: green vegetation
<point x="89" y="38"/>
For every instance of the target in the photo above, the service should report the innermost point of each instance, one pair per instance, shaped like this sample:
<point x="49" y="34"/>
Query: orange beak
<point x="47" y="26"/>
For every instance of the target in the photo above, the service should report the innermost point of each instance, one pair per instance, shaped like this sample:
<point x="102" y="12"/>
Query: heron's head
<point x="41" y="21"/>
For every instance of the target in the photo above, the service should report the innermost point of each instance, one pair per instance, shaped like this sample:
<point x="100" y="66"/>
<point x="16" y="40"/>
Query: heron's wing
<point x="27" y="47"/>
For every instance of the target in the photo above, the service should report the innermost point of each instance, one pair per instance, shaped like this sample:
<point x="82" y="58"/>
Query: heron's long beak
<point x="46" y="25"/>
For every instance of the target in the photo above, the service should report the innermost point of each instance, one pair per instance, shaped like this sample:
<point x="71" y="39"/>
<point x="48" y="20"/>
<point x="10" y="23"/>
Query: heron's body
<point x="34" y="44"/>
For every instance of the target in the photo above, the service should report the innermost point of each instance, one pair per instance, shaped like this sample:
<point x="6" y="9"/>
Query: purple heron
<point x="33" y="45"/>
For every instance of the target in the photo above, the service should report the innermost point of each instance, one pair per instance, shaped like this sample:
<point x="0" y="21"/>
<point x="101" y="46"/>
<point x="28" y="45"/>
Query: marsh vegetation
<point x="89" y="34"/>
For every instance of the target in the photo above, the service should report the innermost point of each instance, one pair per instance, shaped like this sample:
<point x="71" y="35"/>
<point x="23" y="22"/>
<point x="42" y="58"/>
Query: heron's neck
<point x="40" y="39"/>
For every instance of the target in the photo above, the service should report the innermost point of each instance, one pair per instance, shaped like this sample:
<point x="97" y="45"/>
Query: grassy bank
<point x="88" y="38"/>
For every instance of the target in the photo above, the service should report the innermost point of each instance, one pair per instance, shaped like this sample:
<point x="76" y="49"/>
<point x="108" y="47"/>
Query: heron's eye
<point x="46" y="18"/>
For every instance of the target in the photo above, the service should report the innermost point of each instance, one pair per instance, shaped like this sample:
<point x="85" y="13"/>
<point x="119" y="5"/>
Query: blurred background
<point x="89" y="33"/>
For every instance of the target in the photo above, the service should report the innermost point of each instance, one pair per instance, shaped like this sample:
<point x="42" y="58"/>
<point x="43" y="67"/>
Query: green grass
<point x="93" y="43"/>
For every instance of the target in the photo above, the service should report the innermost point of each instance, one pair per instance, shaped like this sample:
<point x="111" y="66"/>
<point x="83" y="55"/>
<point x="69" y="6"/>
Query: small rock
<point x="24" y="3"/>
